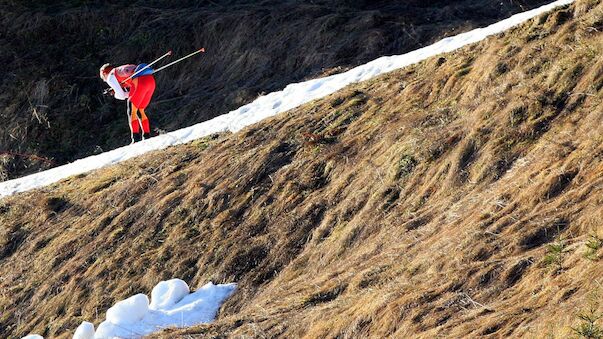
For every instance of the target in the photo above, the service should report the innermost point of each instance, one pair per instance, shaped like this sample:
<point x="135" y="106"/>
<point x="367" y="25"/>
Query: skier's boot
<point x="146" y="129"/>
<point x="136" y="132"/>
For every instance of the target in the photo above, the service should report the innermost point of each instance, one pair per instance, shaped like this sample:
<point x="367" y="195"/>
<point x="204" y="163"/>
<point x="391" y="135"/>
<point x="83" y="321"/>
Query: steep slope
<point x="292" y="96"/>
<point x="50" y="103"/>
<point x="454" y="198"/>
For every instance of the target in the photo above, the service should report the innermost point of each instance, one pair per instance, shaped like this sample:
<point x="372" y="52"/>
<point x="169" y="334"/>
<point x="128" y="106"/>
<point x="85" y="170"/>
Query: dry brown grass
<point x="430" y="212"/>
<point x="51" y="108"/>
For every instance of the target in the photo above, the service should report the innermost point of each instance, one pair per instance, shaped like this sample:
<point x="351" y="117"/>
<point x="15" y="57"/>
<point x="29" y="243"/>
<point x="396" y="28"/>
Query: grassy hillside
<point x="51" y="108"/>
<point x="460" y="197"/>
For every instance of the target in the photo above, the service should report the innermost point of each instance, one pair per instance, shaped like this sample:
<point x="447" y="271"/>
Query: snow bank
<point x="168" y="293"/>
<point x="292" y="96"/>
<point x="84" y="331"/>
<point x="172" y="305"/>
<point x="129" y="311"/>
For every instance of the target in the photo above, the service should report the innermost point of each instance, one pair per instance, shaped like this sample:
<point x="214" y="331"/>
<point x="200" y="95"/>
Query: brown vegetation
<point x="51" y="109"/>
<point x="459" y="197"/>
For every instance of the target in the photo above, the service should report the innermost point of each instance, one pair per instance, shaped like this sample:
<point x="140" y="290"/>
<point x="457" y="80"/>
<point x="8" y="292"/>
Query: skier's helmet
<point x="104" y="70"/>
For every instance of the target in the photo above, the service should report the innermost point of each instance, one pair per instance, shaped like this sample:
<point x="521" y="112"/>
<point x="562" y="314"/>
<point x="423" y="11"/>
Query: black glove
<point x="109" y="91"/>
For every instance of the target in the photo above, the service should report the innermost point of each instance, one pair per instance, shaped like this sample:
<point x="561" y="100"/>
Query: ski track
<point x="271" y="104"/>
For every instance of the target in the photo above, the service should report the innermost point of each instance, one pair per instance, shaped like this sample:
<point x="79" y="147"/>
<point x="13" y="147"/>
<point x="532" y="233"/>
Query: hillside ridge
<point x="265" y="106"/>
<point x="457" y="197"/>
<point x="51" y="106"/>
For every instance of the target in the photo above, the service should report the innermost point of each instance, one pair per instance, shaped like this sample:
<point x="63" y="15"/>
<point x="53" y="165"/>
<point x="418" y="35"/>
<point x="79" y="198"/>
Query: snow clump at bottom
<point x="171" y="305"/>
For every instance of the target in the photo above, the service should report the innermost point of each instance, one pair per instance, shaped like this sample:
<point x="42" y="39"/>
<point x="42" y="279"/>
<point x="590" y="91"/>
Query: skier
<point x="138" y="89"/>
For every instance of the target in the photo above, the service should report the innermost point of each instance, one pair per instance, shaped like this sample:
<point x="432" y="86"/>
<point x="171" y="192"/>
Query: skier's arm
<point x="119" y="92"/>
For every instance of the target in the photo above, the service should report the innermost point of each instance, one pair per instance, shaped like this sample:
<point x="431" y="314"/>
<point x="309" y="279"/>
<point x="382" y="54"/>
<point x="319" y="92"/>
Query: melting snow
<point x="84" y="331"/>
<point x="292" y="96"/>
<point x="171" y="305"/>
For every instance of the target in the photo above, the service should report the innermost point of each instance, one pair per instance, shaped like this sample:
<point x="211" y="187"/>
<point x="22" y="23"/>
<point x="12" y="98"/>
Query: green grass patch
<point x="555" y="253"/>
<point x="589" y="327"/>
<point x="593" y="244"/>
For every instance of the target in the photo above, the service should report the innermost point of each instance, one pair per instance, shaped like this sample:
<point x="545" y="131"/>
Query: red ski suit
<point x="141" y="92"/>
<point x="141" y="88"/>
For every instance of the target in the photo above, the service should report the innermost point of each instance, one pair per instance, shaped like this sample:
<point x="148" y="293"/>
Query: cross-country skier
<point x="138" y="90"/>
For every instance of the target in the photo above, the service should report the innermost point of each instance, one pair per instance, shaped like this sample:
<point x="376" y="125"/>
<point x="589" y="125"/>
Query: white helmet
<point x="104" y="70"/>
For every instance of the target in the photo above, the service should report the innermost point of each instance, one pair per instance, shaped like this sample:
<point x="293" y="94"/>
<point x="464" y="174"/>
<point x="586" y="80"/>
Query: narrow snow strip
<point x="292" y="96"/>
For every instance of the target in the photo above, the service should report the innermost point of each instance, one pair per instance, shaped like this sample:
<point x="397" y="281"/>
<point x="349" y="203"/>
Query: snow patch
<point x="129" y="311"/>
<point x="292" y="96"/>
<point x="84" y="331"/>
<point x="172" y="305"/>
<point x="168" y="293"/>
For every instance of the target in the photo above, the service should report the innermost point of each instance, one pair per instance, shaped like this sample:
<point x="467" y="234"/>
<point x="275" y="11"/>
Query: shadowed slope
<point x="51" y="108"/>
<point x="421" y="203"/>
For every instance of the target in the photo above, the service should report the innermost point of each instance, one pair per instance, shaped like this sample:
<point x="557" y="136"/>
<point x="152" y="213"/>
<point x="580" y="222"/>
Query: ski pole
<point x="184" y="57"/>
<point x="147" y="66"/>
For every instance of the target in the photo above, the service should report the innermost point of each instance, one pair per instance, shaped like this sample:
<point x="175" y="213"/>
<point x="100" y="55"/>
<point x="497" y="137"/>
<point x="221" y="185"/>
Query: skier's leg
<point x="146" y="128"/>
<point x="129" y="121"/>
<point x="135" y="124"/>
<point x="147" y="87"/>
